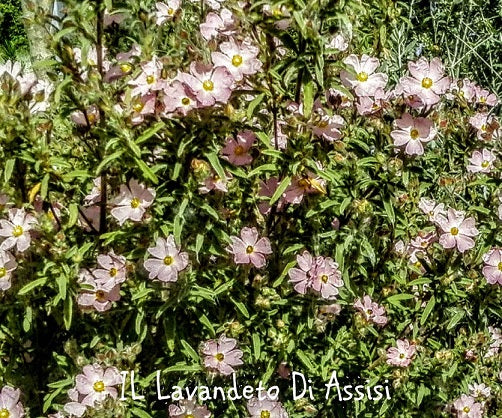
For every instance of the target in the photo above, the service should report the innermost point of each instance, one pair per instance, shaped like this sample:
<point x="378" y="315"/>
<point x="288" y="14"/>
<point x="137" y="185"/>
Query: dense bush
<point x="12" y="33"/>
<point x="204" y="187"/>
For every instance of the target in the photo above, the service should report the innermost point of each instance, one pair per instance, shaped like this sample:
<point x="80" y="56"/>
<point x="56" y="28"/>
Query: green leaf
<point x="140" y="413"/>
<point x="145" y="136"/>
<point x="73" y="209"/>
<point x="215" y="163"/>
<point x="256" y="346"/>
<point x="455" y="319"/>
<point x="283" y="185"/>
<point x="428" y="309"/>
<point x="68" y="312"/>
<point x="308" y="98"/>
<point x="305" y="360"/>
<point x="284" y="273"/>
<point x="389" y="210"/>
<point x="32" y="285"/>
<point x="45" y="186"/>
<point x="240" y="307"/>
<point x="9" y="167"/>
<point x="190" y="351"/>
<point x="147" y="171"/>
<point x="395" y="299"/>
<point x="254" y="103"/>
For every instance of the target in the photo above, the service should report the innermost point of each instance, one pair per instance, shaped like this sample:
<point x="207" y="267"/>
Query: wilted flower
<point x="249" y="248"/>
<point x="365" y="81"/>
<point x="75" y="406"/>
<point x="467" y="407"/>
<point x="10" y="407"/>
<point x="493" y="266"/>
<point x="372" y="311"/>
<point x="337" y="42"/>
<point x="329" y="312"/>
<point x="304" y="185"/>
<point x="240" y="59"/>
<point x="214" y="182"/>
<point x="479" y="390"/>
<point x="222" y="355"/>
<point x="89" y="117"/>
<point x="187" y="408"/>
<point x="481" y="161"/>
<point x="7" y="266"/>
<point x="17" y="230"/>
<point x="97" y="383"/>
<point x="236" y="149"/>
<point x="457" y="230"/>
<point x="132" y="202"/>
<point x="402" y="355"/>
<point x="267" y="407"/>
<point x="168" y="260"/>
<point x="413" y="132"/>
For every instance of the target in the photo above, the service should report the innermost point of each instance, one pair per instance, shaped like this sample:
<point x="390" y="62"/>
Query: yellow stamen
<point x="150" y="79"/>
<point x="249" y="249"/>
<point x="485" y="164"/>
<point x="304" y="183"/>
<point x="454" y="231"/>
<point x="236" y="60"/>
<point x="414" y="134"/>
<point x="138" y="107"/>
<point x="170" y="11"/>
<point x="427" y="83"/>
<point x="219" y="356"/>
<point x="239" y="150"/>
<point x="362" y="77"/>
<point x="113" y="272"/>
<point x="185" y="101"/>
<point x="100" y="296"/>
<point x="466" y="409"/>
<point x="402" y="355"/>
<point x="4" y="413"/>
<point x="125" y="68"/>
<point x="135" y="203"/>
<point x="482" y="99"/>
<point x="208" y="85"/>
<point x="264" y="414"/>
<point x="99" y="386"/>
<point x="3" y="273"/>
<point x="17" y="231"/>
<point x="168" y="260"/>
<point x="499" y="266"/>
<point x="324" y="278"/>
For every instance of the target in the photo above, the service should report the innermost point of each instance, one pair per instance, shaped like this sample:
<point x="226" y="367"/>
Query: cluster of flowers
<point x="472" y="405"/>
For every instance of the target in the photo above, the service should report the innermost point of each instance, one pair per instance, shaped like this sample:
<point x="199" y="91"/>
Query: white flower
<point x="17" y="230"/>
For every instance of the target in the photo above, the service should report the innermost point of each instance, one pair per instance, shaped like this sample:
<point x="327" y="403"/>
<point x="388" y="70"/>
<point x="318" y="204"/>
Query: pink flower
<point x="265" y="408"/>
<point x="90" y="117"/>
<point x="480" y="391"/>
<point x="149" y="79"/>
<point x="75" y="407"/>
<point x="217" y="24"/>
<point x="467" y="91"/>
<point x="209" y="84"/>
<point x="302" y="277"/>
<point x="431" y="208"/>
<point x="98" y="294"/>
<point x="142" y="106"/>
<point x="485" y="97"/>
<point x="329" y="312"/>
<point x="427" y="81"/>
<point x="457" y="231"/>
<point x="487" y="126"/>
<point x="402" y="355"/>
<point x="166" y="11"/>
<point x="326" y="126"/>
<point x="7" y="266"/>
<point x="112" y="267"/>
<point x="372" y="311"/>
<point x="95" y="195"/>
<point x="267" y="189"/>
<point x="249" y="249"/>
<point x="132" y="202"/>
<point x="17" y="230"/>
<point x="97" y="383"/>
<point x="363" y="78"/>
<point x="467" y="407"/>
<point x="168" y="260"/>
<point x="304" y="185"/>
<point x="221" y="356"/>
<point x="178" y="98"/>
<point x="493" y="266"/>
<point x="412" y="133"/>
<point x="326" y="278"/>
<point x="214" y="182"/>
<point x="368" y="105"/>
<point x="481" y="161"/>
<point x="239" y="59"/>
<point x="10" y="407"/>
<point x="188" y="409"/>
<point x="236" y="150"/>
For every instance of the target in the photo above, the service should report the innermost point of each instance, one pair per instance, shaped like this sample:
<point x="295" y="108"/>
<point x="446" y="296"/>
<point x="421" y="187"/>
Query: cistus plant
<point x="228" y="193"/>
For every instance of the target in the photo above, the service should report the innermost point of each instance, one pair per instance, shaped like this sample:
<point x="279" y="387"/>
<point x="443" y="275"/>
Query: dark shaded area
<point x="13" y="41"/>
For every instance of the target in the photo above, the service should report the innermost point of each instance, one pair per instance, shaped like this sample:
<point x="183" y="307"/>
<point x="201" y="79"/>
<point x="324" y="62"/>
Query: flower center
<point x="135" y="203"/>
<point x="362" y="76"/>
<point x="4" y="413"/>
<point x="249" y="249"/>
<point x="113" y="272"/>
<point x="369" y="311"/>
<point x="170" y="11"/>
<point x="100" y="296"/>
<point x="3" y="272"/>
<point x="125" y="68"/>
<point x="208" y="85"/>
<point x="17" y="231"/>
<point x="324" y="278"/>
<point x="499" y="266"/>
<point x="150" y="79"/>
<point x="219" y="356"/>
<point x="454" y="231"/>
<point x="264" y="414"/>
<point x="239" y="150"/>
<point x="414" y="133"/>
<point x="323" y="123"/>
<point x="236" y="60"/>
<point x="402" y="355"/>
<point x="303" y="183"/>
<point x="168" y="260"/>
<point x="91" y="117"/>
<point x="277" y="12"/>
<point x="426" y="83"/>
<point x="483" y="128"/>
<point x="99" y="386"/>
<point x="190" y="416"/>
<point x="482" y="99"/>
<point x="185" y="101"/>
<point x="138" y="107"/>
<point x="466" y="409"/>
<point x="485" y="164"/>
